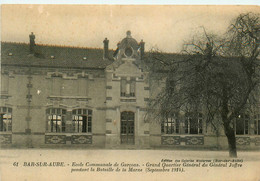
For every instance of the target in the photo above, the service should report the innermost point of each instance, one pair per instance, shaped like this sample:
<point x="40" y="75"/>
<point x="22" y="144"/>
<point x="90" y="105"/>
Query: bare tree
<point x="216" y="75"/>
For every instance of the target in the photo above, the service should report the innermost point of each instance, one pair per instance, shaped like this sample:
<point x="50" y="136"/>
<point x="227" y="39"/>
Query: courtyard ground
<point x="70" y="165"/>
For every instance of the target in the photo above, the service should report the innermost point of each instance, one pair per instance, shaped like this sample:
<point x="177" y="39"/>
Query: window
<point x="4" y="83"/>
<point x="128" y="51"/>
<point x="242" y="124"/>
<point x="56" y="120"/>
<point x="257" y="124"/>
<point x="56" y="86"/>
<point x="127" y="88"/>
<point x="132" y="88"/>
<point x="171" y="125"/>
<point x="69" y="87"/>
<point x="82" y="86"/>
<point x="123" y="87"/>
<point x="193" y="124"/>
<point x="5" y="119"/>
<point x="82" y="120"/>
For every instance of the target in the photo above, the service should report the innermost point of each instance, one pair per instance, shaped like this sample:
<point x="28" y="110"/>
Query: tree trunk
<point x="230" y="133"/>
<point x="232" y="145"/>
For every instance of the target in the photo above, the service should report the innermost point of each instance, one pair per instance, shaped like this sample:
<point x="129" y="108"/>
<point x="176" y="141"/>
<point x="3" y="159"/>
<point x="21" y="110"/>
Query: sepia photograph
<point x="133" y="92"/>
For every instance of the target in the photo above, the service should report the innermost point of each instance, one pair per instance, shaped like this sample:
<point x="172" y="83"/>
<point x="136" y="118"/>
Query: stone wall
<point x="30" y="97"/>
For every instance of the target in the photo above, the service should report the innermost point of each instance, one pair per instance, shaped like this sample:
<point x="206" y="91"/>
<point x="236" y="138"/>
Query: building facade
<point x="53" y="96"/>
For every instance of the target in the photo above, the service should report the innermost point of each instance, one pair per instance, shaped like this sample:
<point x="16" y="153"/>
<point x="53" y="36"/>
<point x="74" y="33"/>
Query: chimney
<point x="142" y="49"/>
<point x="32" y="43"/>
<point x="106" y="41"/>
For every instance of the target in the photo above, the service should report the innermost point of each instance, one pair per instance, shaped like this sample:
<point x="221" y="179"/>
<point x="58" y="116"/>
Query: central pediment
<point x="128" y="68"/>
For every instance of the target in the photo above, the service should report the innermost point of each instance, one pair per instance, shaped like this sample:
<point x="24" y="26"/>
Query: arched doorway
<point x="127" y="128"/>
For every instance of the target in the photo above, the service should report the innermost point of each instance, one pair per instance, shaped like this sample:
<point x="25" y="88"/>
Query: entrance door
<point x="127" y="128"/>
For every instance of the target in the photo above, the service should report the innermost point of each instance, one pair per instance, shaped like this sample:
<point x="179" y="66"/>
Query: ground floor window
<point x="56" y="120"/>
<point x="5" y="119"/>
<point x="242" y="124"/>
<point x="257" y="124"/>
<point x="193" y="124"/>
<point x="82" y="120"/>
<point x="171" y="125"/>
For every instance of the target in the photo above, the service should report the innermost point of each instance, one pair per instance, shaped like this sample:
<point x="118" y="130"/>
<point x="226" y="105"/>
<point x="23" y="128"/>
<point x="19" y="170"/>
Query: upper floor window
<point x="193" y="124"/>
<point x="56" y="86"/>
<point x="56" y="120"/>
<point x="123" y="87"/>
<point x="171" y="125"/>
<point x="132" y="88"/>
<point x="82" y="120"/>
<point x="242" y="124"/>
<point x="257" y="124"/>
<point x="127" y="87"/>
<point x="5" y="119"/>
<point x="4" y="84"/>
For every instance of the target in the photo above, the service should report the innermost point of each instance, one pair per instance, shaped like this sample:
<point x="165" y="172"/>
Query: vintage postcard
<point x="132" y="92"/>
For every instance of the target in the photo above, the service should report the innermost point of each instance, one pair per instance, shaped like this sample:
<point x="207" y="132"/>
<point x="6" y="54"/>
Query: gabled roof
<point x="17" y="54"/>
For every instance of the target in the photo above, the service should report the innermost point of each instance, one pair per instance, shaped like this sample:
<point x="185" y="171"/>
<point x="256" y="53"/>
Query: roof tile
<point x="67" y="57"/>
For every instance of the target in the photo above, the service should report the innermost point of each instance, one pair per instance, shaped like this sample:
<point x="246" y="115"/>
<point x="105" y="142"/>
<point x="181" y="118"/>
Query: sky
<point x="160" y="26"/>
